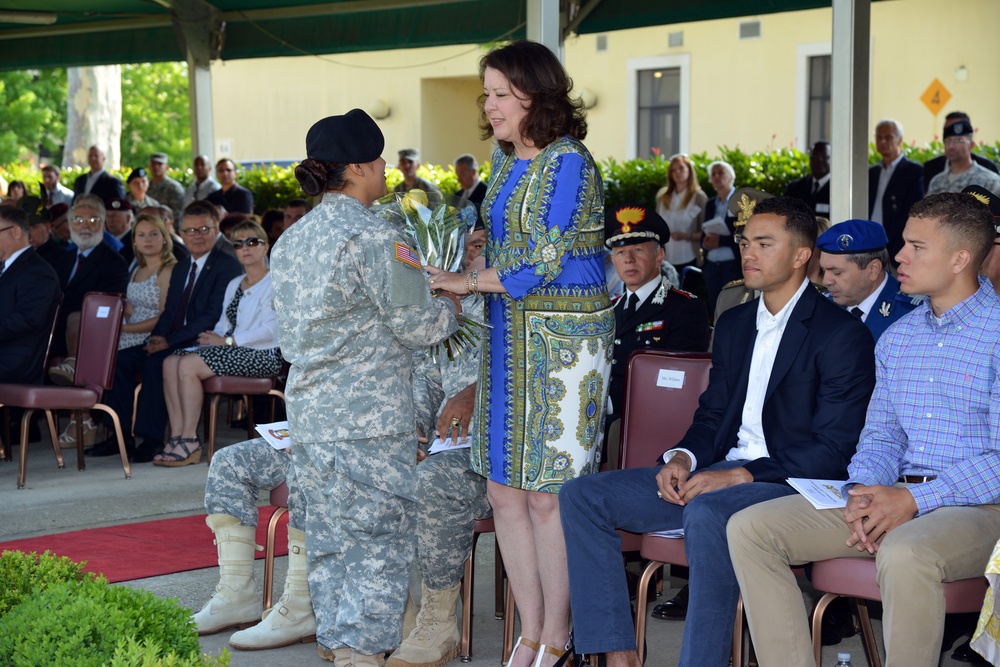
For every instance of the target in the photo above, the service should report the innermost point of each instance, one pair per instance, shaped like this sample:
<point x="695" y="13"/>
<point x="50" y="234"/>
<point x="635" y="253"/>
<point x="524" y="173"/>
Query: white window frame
<point x="681" y="61"/>
<point x="803" y="53"/>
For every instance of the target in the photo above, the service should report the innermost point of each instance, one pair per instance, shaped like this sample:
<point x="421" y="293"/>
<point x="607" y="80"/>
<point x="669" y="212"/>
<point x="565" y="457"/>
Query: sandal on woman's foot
<point x="190" y="455"/>
<point x="67" y="439"/>
<point x="521" y="641"/>
<point x="171" y="443"/>
<point x="566" y="657"/>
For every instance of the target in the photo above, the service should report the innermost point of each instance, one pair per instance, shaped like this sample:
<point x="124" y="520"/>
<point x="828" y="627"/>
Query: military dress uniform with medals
<point x="353" y="302"/>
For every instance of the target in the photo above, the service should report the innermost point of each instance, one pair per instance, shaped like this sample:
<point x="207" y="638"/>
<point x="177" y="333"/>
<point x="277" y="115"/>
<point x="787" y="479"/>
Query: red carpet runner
<point x="145" y="549"/>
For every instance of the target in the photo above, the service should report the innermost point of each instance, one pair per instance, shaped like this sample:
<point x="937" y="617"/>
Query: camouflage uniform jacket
<point x="352" y="303"/>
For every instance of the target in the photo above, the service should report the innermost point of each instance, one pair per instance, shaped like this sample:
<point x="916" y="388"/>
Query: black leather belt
<point x="916" y="479"/>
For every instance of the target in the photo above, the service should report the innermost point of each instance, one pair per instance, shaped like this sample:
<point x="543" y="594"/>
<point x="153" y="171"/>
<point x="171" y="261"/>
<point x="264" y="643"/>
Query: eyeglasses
<point x="953" y="141"/>
<point x="250" y="243"/>
<point x="6" y="228"/>
<point x="201" y="231"/>
<point x="80" y="221"/>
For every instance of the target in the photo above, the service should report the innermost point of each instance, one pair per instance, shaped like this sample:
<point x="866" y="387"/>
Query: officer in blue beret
<point x="854" y="261"/>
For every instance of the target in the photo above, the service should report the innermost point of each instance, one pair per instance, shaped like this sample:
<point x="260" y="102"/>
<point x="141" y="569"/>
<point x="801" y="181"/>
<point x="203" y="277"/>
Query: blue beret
<point x="353" y="138"/>
<point x="853" y="236"/>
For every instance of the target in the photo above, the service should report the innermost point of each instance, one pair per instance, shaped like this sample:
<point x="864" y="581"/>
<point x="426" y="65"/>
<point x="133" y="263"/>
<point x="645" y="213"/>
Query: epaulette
<point x="684" y="293"/>
<point x="733" y="283"/>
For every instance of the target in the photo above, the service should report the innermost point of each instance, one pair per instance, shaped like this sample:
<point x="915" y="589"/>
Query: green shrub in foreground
<point x="85" y="623"/>
<point x="21" y="574"/>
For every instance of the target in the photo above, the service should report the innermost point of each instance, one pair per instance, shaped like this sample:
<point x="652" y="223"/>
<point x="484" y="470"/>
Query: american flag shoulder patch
<point x="408" y="255"/>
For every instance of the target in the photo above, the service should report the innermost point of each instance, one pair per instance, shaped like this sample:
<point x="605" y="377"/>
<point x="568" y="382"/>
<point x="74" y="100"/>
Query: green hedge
<point x="632" y="181"/>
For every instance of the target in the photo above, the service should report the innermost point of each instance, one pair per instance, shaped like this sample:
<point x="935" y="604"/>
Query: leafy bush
<point x="22" y="574"/>
<point x="131" y="653"/>
<point x="86" y="623"/>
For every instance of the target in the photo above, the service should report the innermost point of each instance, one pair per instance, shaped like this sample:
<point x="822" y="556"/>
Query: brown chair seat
<point x="40" y="397"/>
<point x="234" y="384"/>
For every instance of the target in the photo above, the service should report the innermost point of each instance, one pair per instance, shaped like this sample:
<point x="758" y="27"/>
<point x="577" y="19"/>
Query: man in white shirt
<point x="791" y="378"/>
<point x="895" y="183"/>
<point x="54" y="192"/>
<point x="203" y="183"/>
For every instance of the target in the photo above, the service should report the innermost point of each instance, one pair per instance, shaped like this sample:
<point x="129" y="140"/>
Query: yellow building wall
<point x="744" y="93"/>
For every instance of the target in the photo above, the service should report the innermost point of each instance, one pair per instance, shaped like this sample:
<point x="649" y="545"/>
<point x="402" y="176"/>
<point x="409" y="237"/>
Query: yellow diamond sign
<point x="935" y="97"/>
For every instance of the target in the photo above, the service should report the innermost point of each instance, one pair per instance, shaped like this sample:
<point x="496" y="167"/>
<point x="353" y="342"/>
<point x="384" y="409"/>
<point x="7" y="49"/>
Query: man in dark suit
<point x="936" y="165"/>
<point x="232" y="196"/>
<point x="894" y="184"/>
<point x="98" y="182"/>
<point x="651" y="313"/>
<point x="472" y="190"/>
<point x="194" y="303"/>
<point x="814" y="190"/>
<point x="854" y="258"/>
<point x="90" y="267"/>
<point x="790" y="382"/>
<point x="29" y="296"/>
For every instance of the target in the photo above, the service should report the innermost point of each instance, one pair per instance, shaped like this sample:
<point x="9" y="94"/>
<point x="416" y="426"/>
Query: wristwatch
<point x="230" y="341"/>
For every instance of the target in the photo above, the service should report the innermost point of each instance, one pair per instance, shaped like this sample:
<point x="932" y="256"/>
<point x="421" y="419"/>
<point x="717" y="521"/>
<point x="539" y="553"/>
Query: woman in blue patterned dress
<point x="544" y="377"/>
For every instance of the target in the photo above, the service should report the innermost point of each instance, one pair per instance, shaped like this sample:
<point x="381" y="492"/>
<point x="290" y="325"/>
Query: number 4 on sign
<point x="935" y="97"/>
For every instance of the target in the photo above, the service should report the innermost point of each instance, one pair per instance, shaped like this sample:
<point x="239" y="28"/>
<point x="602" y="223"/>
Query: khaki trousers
<point x="947" y="544"/>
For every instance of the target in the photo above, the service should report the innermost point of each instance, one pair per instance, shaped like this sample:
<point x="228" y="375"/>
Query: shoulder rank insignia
<point x="885" y="309"/>
<point x="649" y="326"/>
<point x="407" y="255"/>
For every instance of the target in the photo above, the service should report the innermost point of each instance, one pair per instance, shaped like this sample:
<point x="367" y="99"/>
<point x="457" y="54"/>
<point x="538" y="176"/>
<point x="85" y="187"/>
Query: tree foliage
<point x="156" y="115"/>
<point x="34" y="104"/>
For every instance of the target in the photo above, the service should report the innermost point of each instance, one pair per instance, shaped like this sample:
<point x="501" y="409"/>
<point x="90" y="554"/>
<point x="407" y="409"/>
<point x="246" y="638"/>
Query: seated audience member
<point x="97" y="181"/>
<point x="450" y="497"/>
<point x="231" y="196"/>
<point x="194" y="303"/>
<point x="229" y="221"/>
<point x="118" y="223"/>
<point x="295" y="210"/>
<point x="16" y="190"/>
<point x="59" y="214"/>
<point x="791" y="377"/>
<point x="146" y="296"/>
<point x="29" y="296"/>
<point x="722" y="263"/>
<point x="923" y="487"/>
<point x="91" y="266"/>
<point x="236" y="476"/>
<point x="244" y="342"/>
<point x="991" y="265"/>
<point x="165" y="214"/>
<point x="40" y="228"/>
<point x="895" y="183"/>
<point x="53" y="192"/>
<point x="651" y="313"/>
<point x="138" y="188"/>
<point x="273" y="224"/>
<point x="855" y="264"/>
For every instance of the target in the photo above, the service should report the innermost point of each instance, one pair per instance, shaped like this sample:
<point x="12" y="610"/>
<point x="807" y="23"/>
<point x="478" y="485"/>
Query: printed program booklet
<point x="824" y="494"/>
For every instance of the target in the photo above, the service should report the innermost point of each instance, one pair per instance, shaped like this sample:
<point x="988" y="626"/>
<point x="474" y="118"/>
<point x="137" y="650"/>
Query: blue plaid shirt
<point x="936" y="406"/>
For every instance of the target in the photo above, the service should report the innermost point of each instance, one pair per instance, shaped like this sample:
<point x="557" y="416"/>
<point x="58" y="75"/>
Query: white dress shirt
<point x="868" y="305"/>
<point x="885" y="173"/>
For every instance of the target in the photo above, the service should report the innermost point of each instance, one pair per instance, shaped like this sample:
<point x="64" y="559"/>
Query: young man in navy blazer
<point x="194" y="303"/>
<point x="790" y="382"/>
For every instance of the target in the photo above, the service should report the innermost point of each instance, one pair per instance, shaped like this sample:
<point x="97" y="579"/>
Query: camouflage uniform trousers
<point x="450" y="498"/>
<point x="359" y="545"/>
<point x="238" y="473"/>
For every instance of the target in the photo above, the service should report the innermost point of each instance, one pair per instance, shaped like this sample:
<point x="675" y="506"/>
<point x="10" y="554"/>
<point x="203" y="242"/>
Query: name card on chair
<point x="103" y="312"/>
<point x="670" y="379"/>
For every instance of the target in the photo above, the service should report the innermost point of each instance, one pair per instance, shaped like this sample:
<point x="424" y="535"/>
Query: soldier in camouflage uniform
<point x="450" y="498"/>
<point x="353" y="302"/>
<point x="235" y="478"/>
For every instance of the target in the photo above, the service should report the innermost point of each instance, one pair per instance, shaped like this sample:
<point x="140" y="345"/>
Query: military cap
<point x="158" y="157"/>
<point x="58" y="211"/>
<point x="348" y="139"/>
<point x="961" y="128"/>
<point x="136" y="173"/>
<point x="743" y="202"/>
<point x="631" y="224"/>
<point x="119" y="205"/>
<point x="409" y="154"/>
<point x="34" y="208"/>
<point x="989" y="199"/>
<point x="852" y="236"/>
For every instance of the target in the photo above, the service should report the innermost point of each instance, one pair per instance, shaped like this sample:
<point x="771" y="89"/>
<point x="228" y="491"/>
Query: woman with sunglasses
<point x="244" y="342"/>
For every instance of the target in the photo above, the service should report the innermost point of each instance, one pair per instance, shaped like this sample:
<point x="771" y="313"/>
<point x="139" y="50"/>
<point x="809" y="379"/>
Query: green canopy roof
<point x="61" y="33"/>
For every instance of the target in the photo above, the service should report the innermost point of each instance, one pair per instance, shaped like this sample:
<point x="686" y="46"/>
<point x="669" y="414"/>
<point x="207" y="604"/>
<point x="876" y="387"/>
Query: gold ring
<point x="456" y="422"/>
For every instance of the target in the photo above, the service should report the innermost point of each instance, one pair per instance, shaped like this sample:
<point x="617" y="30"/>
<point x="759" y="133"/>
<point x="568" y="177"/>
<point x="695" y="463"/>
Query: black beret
<point x="136" y="173"/>
<point x="348" y="139"/>
<point x="988" y="199"/>
<point x="959" y="129"/>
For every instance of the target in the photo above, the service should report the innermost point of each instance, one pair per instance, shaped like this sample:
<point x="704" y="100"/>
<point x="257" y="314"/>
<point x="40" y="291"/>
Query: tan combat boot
<point x="236" y="602"/>
<point x="410" y="615"/>
<point x="291" y="619"/>
<point x="436" y="638"/>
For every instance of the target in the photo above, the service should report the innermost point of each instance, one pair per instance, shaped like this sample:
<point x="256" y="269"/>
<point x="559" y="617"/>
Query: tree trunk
<point x="94" y="114"/>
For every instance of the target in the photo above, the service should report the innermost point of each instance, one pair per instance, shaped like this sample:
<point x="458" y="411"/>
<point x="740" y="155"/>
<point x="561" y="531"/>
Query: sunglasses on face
<point x="250" y="243"/>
